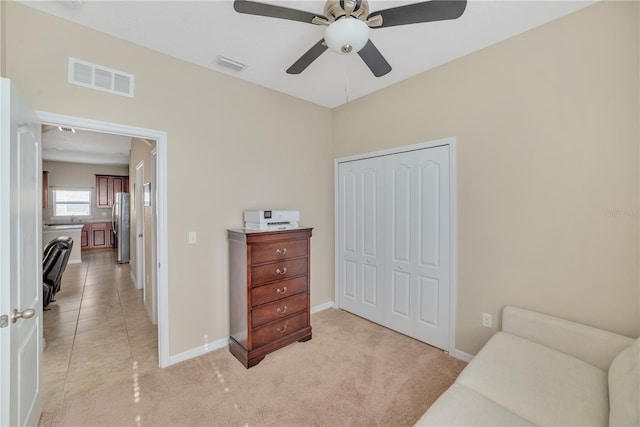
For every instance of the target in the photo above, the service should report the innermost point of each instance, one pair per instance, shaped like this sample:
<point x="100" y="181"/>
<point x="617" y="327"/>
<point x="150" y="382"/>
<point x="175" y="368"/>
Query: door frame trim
<point x="139" y="279"/>
<point x="453" y="220"/>
<point x="162" y="271"/>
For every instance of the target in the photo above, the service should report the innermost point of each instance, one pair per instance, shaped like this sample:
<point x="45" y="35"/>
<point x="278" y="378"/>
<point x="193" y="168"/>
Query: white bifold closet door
<point x="394" y="236"/>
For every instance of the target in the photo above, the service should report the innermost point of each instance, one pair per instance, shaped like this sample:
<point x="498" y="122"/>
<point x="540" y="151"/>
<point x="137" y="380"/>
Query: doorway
<point x="160" y="208"/>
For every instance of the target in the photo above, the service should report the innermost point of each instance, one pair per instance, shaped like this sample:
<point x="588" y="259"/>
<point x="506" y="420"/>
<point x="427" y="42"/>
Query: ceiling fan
<point x="348" y="23"/>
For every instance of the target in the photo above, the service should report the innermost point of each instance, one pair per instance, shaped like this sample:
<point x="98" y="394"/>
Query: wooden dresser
<point x="269" y="291"/>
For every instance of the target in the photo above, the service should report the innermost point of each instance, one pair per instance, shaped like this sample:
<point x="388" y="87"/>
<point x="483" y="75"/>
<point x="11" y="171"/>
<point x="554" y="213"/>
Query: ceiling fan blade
<point x="306" y="59"/>
<point x="273" y="11"/>
<point x="374" y="60"/>
<point x="428" y="11"/>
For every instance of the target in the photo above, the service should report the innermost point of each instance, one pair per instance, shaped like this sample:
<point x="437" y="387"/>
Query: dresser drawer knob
<point x="282" y="272"/>
<point x="281" y="310"/>
<point x="281" y="251"/>
<point x="281" y="291"/>
<point x="281" y="330"/>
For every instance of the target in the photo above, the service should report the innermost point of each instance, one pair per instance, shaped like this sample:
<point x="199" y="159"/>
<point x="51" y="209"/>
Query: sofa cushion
<point x="537" y="383"/>
<point x="624" y="387"/>
<point x="461" y="406"/>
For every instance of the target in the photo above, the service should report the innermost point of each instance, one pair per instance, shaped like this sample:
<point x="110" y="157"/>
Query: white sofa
<point x="544" y="371"/>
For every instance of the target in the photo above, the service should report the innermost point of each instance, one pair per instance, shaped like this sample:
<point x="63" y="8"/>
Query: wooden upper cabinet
<point x="118" y="184"/>
<point x="102" y="191"/>
<point x="106" y="188"/>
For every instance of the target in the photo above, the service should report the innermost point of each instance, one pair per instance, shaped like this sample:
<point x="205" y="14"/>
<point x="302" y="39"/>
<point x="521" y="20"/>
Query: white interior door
<point x="360" y="245"/>
<point x="431" y="246"/>
<point x="399" y="258"/>
<point x="21" y="261"/>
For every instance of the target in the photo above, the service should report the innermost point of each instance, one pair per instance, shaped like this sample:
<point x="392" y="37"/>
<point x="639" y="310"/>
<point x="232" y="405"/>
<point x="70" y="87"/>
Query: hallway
<point x="97" y="332"/>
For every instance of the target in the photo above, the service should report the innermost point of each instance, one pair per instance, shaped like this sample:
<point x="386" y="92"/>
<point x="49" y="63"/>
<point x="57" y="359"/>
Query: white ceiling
<point x="85" y="147"/>
<point x="200" y="31"/>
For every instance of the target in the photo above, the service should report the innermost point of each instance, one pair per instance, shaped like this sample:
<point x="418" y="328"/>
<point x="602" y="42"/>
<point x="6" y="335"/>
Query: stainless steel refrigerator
<point x="122" y="225"/>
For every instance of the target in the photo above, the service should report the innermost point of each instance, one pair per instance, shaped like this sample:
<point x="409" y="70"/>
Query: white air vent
<point x="230" y="63"/>
<point x="97" y="77"/>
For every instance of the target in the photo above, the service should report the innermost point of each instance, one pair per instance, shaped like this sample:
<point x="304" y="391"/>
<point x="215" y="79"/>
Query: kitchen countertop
<point x="62" y="227"/>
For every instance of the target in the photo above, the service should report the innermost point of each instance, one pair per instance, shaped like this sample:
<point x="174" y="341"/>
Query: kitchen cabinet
<point x="84" y="236"/>
<point x="45" y="189"/>
<point x="106" y="188"/>
<point x="269" y="291"/>
<point x="97" y="235"/>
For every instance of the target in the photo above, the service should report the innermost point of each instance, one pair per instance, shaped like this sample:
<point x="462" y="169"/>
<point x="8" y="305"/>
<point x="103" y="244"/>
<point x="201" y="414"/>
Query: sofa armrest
<point x="592" y="345"/>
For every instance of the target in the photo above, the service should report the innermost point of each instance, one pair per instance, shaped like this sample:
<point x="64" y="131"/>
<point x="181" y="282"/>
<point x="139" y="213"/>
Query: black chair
<point x="47" y="295"/>
<point x="56" y="257"/>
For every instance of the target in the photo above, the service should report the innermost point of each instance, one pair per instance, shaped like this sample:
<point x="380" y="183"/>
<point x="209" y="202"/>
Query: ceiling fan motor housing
<point x="346" y="35"/>
<point x="336" y="9"/>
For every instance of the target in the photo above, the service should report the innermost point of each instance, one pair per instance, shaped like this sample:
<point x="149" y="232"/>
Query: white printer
<point x="271" y="220"/>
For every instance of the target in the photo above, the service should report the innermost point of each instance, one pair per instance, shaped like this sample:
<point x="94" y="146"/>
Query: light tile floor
<point x="95" y="332"/>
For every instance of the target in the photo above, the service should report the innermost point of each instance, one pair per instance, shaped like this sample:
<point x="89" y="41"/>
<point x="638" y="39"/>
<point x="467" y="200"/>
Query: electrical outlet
<point x="192" y="237"/>
<point x="487" y="320"/>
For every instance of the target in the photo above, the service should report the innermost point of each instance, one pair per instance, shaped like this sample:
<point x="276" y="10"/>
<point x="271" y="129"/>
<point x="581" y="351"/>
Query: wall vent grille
<point x="101" y="78"/>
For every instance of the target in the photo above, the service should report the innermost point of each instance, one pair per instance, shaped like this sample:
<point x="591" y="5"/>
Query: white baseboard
<point x="133" y="279"/>
<point x="461" y="355"/>
<point x="221" y="343"/>
<point x="74" y="261"/>
<point x="321" y="307"/>
<point x="198" y="351"/>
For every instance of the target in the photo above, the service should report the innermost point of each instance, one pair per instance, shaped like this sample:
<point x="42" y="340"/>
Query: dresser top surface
<point x="247" y="231"/>
<point x="264" y="236"/>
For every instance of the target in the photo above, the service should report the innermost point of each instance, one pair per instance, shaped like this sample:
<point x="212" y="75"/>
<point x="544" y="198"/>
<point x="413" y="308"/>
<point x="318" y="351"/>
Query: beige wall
<point x="3" y="57"/>
<point x="141" y="151"/>
<point x="232" y="146"/>
<point x="547" y="166"/>
<point x="63" y="174"/>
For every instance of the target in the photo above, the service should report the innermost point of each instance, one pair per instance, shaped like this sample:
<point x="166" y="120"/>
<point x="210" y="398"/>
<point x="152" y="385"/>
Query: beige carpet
<point x="352" y="373"/>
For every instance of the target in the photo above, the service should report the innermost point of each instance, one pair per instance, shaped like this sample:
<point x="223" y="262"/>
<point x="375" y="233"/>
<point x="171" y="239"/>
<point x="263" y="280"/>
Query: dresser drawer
<point x="275" y="291"/>
<point x="278" y="270"/>
<point x="273" y="331"/>
<point x="276" y="251"/>
<point x="278" y="309"/>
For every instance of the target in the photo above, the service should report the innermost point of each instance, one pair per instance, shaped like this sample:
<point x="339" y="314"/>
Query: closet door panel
<point x="432" y="230"/>
<point x="360" y="204"/>
<point x="400" y="199"/>
<point x="370" y="286"/>
<point x="428" y="312"/>
<point x="398" y="228"/>
<point x="350" y="279"/>
<point x="428" y="214"/>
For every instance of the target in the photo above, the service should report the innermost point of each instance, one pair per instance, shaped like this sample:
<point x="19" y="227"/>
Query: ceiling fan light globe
<point x="346" y="35"/>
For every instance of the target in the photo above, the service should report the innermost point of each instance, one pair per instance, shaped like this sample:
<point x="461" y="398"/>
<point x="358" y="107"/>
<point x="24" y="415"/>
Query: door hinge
<point x="4" y="321"/>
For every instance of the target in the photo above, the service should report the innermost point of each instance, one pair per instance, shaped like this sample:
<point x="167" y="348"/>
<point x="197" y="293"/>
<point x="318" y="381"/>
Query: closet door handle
<point x="281" y="272"/>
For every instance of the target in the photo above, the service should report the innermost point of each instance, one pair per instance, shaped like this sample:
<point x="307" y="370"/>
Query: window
<point x="71" y="201"/>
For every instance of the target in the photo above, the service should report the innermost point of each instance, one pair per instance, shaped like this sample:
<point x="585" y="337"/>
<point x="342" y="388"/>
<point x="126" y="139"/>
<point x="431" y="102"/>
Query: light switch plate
<point x="192" y="237"/>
